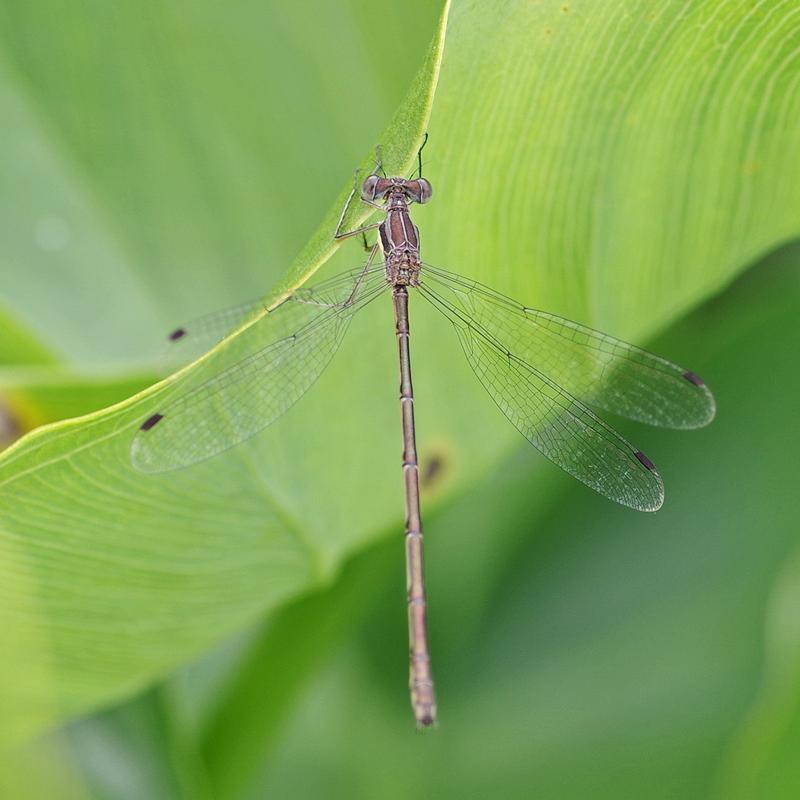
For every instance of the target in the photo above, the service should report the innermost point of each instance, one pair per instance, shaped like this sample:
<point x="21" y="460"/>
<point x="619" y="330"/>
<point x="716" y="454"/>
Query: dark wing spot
<point x="150" y="422"/>
<point x="645" y="460"/>
<point x="692" y="378"/>
<point x="178" y="333"/>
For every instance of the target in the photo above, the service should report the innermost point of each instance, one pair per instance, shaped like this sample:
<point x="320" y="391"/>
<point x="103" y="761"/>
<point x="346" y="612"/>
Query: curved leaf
<point x="608" y="162"/>
<point x="96" y="571"/>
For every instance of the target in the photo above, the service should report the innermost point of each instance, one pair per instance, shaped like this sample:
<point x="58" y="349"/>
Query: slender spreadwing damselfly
<point x="544" y="372"/>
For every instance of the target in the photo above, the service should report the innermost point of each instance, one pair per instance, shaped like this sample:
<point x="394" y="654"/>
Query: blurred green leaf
<point x="160" y="161"/>
<point x="19" y="346"/>
<point x="616" y="163"/>
<point x="249" y="721"/>
<point x="610" y="655"/>
<point x="762" y="762"/>
<point x="134" y="751"/>
<point x="40" y="772"/>
<point x="43" y="394"/>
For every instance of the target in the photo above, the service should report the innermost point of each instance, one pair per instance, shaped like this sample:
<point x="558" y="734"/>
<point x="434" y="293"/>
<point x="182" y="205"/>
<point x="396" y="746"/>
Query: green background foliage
<point x="236" y="629"/>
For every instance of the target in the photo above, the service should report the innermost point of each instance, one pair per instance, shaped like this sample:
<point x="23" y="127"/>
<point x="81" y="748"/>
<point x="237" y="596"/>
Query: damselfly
<point x="544" y="372"/>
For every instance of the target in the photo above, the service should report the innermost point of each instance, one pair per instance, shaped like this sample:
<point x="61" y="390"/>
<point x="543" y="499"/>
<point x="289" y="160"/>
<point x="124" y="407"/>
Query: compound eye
<point x="425" y="191"/>
<point x="369" y="188"/>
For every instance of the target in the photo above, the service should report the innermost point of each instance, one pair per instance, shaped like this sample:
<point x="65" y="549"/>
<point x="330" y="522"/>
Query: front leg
<point x="340" y="234"/>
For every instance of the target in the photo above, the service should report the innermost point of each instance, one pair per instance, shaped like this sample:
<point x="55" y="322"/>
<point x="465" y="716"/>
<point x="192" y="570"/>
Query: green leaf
<point x="248" y="722"/>
<point x="18" y="345"/>
<point x="113" y="555"/>
<point x="762" y="761"/>
<point x="607" y="654"/>
<point x="38" y="395"/>
<point x="614" y="163"/>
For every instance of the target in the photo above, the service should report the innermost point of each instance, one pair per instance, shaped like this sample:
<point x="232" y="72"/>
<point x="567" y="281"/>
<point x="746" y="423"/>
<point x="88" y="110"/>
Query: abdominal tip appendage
<point x="426" y="721"/>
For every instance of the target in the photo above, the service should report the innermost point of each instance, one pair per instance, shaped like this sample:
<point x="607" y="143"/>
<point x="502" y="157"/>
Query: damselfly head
<point x="377" y="188"/>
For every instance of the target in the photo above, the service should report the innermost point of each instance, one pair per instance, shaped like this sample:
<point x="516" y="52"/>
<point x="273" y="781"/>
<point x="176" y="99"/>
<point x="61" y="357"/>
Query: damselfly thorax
<point x="399" y="236"/>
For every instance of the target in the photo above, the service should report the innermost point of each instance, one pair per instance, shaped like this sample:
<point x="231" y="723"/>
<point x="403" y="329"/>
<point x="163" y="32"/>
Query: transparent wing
<point x="189" y="341"/>
<point x="254" y="378"/>
<point x="604" y="372"/>
<point x="558" y="425"/>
